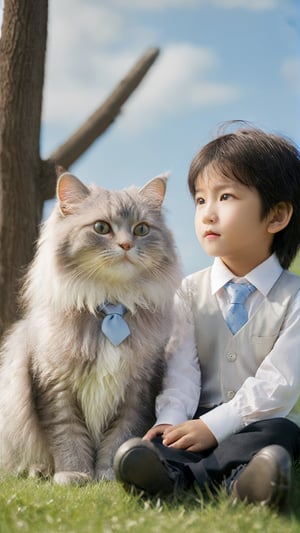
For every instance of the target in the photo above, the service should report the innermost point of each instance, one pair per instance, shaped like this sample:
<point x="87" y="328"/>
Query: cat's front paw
<point x="72" y="478"/>
<point x="40" y="470"/>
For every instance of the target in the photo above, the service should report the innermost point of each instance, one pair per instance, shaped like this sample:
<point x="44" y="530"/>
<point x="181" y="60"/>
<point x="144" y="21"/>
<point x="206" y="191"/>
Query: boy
<point x="246" y="187"/>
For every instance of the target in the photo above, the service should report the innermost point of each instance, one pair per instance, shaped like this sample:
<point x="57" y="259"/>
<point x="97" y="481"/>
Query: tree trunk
<point x="22" y="59"/>
<point x="26" y="181"/>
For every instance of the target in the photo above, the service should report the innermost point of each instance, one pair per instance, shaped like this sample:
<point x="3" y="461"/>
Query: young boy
<point x="246" y="187"/>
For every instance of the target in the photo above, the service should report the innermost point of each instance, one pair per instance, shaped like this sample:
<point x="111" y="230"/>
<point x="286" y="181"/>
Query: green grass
<point x="36" y="506"/>
<point x="42" y="507"/>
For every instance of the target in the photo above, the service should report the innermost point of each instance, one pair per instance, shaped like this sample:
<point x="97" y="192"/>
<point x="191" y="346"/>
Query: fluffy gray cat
<point x="68" y="395"/>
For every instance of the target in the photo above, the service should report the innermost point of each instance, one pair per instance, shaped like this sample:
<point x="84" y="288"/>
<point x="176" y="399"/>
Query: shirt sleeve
<point x="181" y="387"/>
<point x="272" y="392"/>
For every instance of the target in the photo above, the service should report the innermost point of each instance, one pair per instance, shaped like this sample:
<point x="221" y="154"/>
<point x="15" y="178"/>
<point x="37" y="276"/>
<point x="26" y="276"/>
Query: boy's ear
<point x="279" y="217"/>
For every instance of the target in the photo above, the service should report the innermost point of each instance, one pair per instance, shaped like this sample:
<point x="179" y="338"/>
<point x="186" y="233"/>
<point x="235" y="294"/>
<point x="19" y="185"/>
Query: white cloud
<point x="176" y="84"/>
<point x="74" y="20"/>
<point x="251" y="5"/>
<point x="76" y="33"/>
<point x="91" y="48"/>
<point x="157" y="5"/>
<point x="160" y="5"/>
<point x="75" y="88"/>
<point x="290" y="71"/>
<point x="80" y="69"/>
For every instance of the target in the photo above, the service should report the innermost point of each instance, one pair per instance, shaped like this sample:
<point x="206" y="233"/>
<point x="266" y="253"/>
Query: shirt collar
<point x="263" y="277"/>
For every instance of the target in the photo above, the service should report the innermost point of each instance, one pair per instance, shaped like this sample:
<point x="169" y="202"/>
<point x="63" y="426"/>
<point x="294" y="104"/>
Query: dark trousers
<point x="214" y="466"/>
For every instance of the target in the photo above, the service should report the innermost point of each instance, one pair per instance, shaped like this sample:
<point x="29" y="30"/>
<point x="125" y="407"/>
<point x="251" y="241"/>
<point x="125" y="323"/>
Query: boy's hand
<point x="192" y="435"/>
<point x="157" y="430"/>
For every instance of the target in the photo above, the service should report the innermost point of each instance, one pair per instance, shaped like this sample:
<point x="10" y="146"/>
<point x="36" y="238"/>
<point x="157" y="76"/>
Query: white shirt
<point x="255" y="399"/>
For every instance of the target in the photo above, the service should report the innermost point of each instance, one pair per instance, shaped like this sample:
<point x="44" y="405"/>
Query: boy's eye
<point x="102" y="227"/>
<point x="200" y="200"/>
<point x="226" y="196"/>
<point x="141" y="229"/>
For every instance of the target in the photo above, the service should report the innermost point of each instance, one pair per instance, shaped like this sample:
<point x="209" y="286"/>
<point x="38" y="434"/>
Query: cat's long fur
<point x="68" y="397"/>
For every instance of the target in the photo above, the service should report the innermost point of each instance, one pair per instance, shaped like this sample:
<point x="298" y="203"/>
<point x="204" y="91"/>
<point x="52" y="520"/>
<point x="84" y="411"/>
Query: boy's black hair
<point x="269" y="163"/>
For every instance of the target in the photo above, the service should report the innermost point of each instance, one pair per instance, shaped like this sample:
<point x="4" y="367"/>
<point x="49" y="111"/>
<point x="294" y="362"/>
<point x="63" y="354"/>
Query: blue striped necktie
<point x="237" y="314"/>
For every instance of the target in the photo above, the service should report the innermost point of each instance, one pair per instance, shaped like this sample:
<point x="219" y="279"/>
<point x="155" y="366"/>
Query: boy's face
<point x="228" y="222"/>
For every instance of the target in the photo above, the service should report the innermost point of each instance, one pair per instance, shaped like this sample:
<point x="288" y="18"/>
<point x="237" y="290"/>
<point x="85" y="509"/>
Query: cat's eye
<point x="141" y="229"/>
<point x="102" y="227"/>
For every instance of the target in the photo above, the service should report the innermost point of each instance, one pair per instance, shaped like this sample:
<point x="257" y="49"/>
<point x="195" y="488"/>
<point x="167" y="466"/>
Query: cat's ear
<point x="155" y="189"/>
<point x="70" y="193"/>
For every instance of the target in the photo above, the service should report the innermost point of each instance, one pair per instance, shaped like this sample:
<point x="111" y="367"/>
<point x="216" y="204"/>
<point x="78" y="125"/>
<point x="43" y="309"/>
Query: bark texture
<point x="22" y="59"/>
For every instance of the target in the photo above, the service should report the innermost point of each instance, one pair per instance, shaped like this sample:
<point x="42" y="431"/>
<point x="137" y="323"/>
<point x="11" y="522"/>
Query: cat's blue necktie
<point x="114" y="327"/>
<point x="237" y="314"/>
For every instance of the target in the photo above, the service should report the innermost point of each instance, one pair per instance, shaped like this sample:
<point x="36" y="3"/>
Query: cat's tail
<point x="22" y="442"/>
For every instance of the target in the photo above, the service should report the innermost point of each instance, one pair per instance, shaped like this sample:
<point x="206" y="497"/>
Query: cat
<point x="68" y="396"/>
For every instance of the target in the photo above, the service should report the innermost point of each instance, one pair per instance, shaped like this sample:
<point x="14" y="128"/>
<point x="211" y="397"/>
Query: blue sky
<point x="219" y="60"/>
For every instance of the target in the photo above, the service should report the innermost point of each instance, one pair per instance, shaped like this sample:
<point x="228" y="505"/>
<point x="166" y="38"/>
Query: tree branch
<point x="104" y="116"/>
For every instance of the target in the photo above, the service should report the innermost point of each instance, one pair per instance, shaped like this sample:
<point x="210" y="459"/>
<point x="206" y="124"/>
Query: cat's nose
<point x="125" y="245"/>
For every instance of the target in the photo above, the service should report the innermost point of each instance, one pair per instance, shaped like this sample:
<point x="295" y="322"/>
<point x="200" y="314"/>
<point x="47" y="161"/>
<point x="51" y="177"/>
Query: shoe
<point x="137" y="462"/>
<point x="266" y="479"/>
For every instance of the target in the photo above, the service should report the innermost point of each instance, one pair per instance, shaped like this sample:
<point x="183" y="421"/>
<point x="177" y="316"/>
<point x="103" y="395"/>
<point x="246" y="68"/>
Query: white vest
<point x="226" y="360"/>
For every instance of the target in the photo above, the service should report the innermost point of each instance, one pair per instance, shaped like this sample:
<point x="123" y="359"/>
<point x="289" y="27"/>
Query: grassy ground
<point x="42" y="507"/>
<point x="35" y="506"/>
